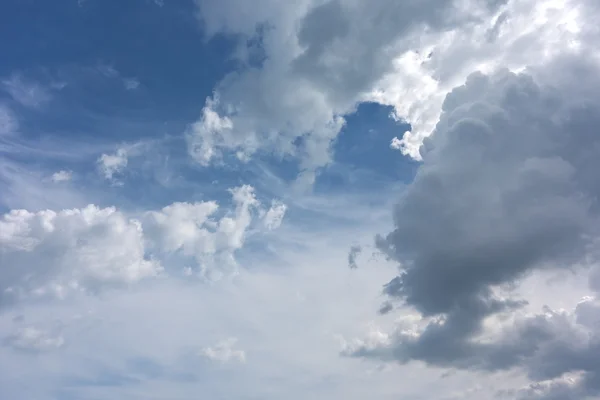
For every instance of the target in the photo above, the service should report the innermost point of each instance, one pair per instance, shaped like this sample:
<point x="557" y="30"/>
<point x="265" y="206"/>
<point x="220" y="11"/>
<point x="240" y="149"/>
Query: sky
<point x="324" y="199"/>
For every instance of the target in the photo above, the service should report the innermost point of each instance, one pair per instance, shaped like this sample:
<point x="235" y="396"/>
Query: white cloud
<point x="109" y="71"/>
<point x="112" y="164"/>
<point x="8" y="121"/>
<point x="522" y="33"/>
<point x="33" y="339"/>
<point x="50" y="253"/>
<point x="62" y="176"/>
<point x="27" y="93"/>
<point x="151" y="336"/>
<point x="318" y="61"/>
<point x="139" y="156"/>
<point x="322" y="58"/>
<point x="131" y="83"/>
<point x="207" y="135"/>
<point x="224" y="352"/>
<point x="27" y="186"/>
<point x="180" y="226"/>
<point x="274" y="216"/>
<point x="193" y="230"/>
<point x="150" y="339"/>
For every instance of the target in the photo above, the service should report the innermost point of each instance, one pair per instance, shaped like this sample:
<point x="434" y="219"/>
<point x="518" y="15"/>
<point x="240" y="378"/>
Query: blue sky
<point x="81" y="70"/>
<point x="316" y="199"/>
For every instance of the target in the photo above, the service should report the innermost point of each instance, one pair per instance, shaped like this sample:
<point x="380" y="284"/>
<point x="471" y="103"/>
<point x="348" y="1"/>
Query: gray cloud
<point x="352" y="254"/>
<point x="507" y="187"/>
<point x="503" y="190"/>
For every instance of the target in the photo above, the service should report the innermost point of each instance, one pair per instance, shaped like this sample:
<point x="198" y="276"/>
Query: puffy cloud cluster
<point x="192" y="229"/>
<point x="520" y="33"/>
<point x="507" y="187"/>
<point x="49" y="253"/>
<point x="305" y="65"/>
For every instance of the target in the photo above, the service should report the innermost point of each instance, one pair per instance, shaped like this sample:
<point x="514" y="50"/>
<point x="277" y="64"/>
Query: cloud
<point x="8" y="122"/>
<point x="131" y="83"/>
<point x="111" y="164"/>
<point x="305" y="67"/>
<point x="164" y="324"/>
<point x="506" y="189"/>
<point x="27" y="93"/>
<point x="274" y="216"/>
<point x="192" y="230"/>
<point x="62" y="176"/>
<point x="224" y="352"/>
<point x="556" y="351"/>
<point x="520" y="33"/>
<point x="30" y="186"/>
<point x="314" y="62"/>
<point x="206" y="136"/>
<point x="352" y="255"/>
<point x="50" y="253"/>
<point x="33" y="339"/>
<point x="109" y="71"/>
<point x="146" y="158"/>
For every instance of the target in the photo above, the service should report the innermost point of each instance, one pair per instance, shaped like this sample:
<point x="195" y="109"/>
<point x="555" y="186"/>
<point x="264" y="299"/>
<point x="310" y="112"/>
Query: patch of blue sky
<point x="124" y="73"/>
<point x="362" y="157"/>
<point x="124" y="67"/>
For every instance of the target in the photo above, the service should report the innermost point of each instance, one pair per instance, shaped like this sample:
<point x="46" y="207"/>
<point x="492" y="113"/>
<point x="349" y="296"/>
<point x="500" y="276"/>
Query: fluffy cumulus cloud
<point x="194" y="229"/>
<point x="506" y="189"/>
<point x="50" y="253"/>
<point x="521" y="33"/>
<point x="307" y="65"/>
